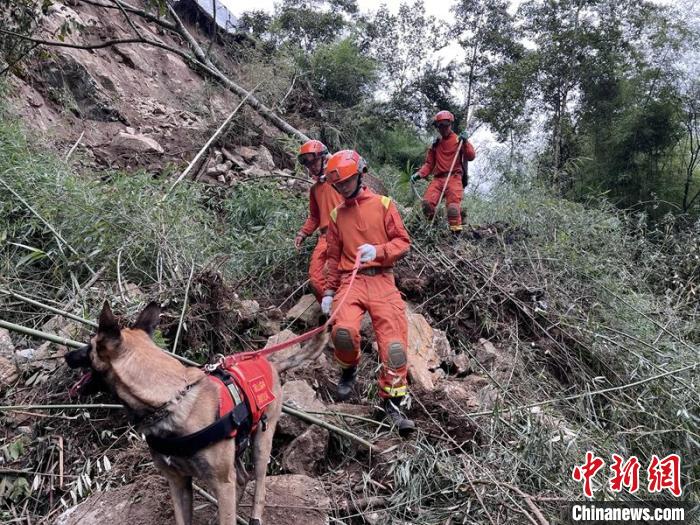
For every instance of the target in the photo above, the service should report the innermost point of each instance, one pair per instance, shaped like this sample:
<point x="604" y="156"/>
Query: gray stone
<point x="307" y="311"/>
<point x="7" y="348"/>
<point x="298" y="394"/>
<point x="136" y="143"/>
<point x="8" y="373"/>
<point x="291" y="499"/>
<point x="303" y="454"/>
<point x="264" y="159"/>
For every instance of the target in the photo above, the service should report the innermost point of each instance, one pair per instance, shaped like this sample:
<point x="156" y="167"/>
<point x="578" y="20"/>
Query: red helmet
<point x="443" y="115"/>
<point x="343" y="165"/>
<point x="311" y="150"/>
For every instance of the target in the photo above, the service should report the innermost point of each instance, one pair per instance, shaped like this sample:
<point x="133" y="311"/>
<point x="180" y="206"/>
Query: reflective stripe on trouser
<point x="452" y="197"/>
<point x="379" y="296"/>
<point x="318" y="267"/>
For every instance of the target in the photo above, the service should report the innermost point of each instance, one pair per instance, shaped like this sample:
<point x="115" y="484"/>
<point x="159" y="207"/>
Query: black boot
<point x="393" y="413"/>
<point x="347" y="380"/>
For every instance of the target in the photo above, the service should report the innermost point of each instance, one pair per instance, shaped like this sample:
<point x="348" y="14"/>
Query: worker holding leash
<point x="444" y="161"/>
<point x="369" y="223"/>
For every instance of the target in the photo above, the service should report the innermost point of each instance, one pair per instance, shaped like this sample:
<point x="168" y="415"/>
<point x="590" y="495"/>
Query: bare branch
<point x="144" y="14"/>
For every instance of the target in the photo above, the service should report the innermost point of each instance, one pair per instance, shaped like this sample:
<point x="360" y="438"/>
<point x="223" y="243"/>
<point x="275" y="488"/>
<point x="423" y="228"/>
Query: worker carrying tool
<point x="313" y="155"/>
<point x="369" y="223"/>
<point x="446" y="161"/>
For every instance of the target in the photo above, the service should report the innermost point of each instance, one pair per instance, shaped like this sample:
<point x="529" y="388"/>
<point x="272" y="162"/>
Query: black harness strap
<point x="238" y="419"/>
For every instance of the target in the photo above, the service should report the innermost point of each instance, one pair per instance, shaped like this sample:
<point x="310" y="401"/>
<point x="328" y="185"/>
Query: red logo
<point x="586" y="472"/>
<point x="625" y="474"/>
<point x="663" y="474"/>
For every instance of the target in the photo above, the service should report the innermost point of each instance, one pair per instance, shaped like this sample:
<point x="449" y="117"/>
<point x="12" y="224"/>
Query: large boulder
<point x="423" y="356"/>
<point x="146" y="502"/>
<point x="136" y="143"/>
<point x="303" y="454"/>
<point x="298" y="394"/>
<point x="291" y="500"/>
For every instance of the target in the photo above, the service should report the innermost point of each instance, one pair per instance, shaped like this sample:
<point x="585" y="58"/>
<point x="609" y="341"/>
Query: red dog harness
<point x="250" y="383"/>
<point x="245" y="391"/>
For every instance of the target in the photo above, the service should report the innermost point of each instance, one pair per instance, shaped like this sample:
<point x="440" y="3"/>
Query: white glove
<point x="326" y="303"/>
<point x="367" y="253"/>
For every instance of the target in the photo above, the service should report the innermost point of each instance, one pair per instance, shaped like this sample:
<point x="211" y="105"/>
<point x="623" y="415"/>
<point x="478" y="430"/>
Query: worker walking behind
<point x="371" y="224"/>
<point x="438" y="160"/>
<point x="313" y="155"/>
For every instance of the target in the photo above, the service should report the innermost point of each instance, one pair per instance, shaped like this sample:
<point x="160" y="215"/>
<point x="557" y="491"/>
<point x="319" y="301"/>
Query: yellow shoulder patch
<point x="386" y="201"/>
<point x="334" y="214"/>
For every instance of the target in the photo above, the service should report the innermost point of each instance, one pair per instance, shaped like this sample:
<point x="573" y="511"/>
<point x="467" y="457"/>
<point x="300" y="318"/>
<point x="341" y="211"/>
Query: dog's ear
<point x="108" y="326"/>
<point x="149" y="318"/>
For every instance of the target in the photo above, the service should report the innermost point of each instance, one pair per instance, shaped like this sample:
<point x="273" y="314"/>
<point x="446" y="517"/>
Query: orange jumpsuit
<point x="322" y="200"/>
<point x="438" y="161"/>
<point x="369" y="219"/>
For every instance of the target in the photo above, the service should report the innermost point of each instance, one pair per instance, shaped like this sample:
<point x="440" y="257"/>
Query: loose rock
<point x="303" y="454"/>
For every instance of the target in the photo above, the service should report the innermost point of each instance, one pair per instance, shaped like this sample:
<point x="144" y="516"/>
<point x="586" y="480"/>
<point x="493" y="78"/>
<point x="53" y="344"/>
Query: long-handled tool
<point x="447" y="179"/>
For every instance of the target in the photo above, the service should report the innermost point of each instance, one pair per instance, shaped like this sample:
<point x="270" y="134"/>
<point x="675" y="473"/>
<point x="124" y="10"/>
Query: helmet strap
<point x="357" y="190"/>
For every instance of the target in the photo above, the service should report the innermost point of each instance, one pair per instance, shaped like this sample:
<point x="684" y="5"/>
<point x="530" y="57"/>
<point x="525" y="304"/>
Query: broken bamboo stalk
<point x="286" y="409"/>
<point x="69" y="342"/>
<point x="184" y="308"/>
<point x="75" y="146"/>
<point x="321" y="423"/>
<point x="52" y="309"/>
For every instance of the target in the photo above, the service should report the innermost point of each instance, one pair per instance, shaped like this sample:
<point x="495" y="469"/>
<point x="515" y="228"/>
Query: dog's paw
<point x="254" y="521"/>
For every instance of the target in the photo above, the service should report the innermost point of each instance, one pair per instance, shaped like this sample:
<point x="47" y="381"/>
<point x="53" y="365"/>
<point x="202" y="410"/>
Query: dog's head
<point x="109" y="344"/>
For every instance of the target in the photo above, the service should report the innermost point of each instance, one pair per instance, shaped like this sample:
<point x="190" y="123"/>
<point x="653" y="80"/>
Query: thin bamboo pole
<point x="48" y="307"/>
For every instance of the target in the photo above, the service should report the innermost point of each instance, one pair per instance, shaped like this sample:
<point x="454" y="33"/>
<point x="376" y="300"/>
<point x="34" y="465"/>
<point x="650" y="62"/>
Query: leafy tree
<point x="307" y="24"/>
<point x="341" y="73"/>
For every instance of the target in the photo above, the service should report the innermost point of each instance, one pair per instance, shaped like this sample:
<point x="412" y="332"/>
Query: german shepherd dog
<point x="168" y="398"/>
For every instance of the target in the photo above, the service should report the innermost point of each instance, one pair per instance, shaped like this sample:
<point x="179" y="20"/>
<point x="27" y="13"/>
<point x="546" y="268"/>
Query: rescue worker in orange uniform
<point x="369" y="223"/>
<point x="437" y="162"/>
<point x="322" y="200"/>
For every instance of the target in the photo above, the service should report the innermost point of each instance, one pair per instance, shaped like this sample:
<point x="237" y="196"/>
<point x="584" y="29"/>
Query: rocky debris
<point x="247" y="310"/>
<point x="304" y="453"/>
<point x="458" y="365"/>
<point x="8" y="373"/>
<point x="298" y="394"/>
<point x="307" y="311"/>
<point x="7" y="349"/>
<point x="146" y="502"/>
<point x="270" y="322"/>
<point x="247" y="153"/>
<point x="136" y="143"/>
<point x="36" y="357"/>
<point x="264" y="159"/>
<point x="291" y="499"/>
<point x="260" y="157"/>
<point x="427" y="349"/>
<point x="486" y="354"/>
<point x="255" y="172"/>
<point x="235" y="159"/>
